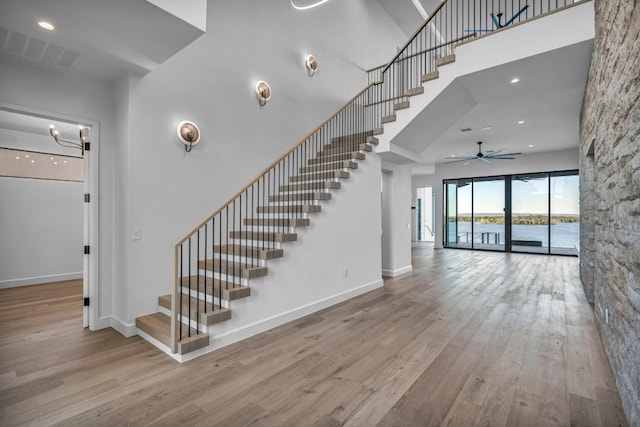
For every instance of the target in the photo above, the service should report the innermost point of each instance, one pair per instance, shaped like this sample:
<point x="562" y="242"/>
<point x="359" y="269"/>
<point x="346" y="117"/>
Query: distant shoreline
<point x="519" y="219"/>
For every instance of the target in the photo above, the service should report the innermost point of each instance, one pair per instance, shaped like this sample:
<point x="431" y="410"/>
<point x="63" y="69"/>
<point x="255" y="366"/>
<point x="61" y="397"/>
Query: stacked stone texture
<point x="610" y="192"/>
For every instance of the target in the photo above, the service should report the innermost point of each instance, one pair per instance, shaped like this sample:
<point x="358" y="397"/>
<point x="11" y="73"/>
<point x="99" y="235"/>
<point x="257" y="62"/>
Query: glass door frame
<point x="508" y="210"/>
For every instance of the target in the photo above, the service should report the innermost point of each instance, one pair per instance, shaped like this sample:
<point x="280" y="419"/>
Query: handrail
<point x="417" y="32"/>
<point x="285" y="192"/>
<point x="274" y="163"/>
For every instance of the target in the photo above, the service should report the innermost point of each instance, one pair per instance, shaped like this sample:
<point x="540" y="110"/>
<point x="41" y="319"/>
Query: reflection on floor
<point x="516" y="248"/>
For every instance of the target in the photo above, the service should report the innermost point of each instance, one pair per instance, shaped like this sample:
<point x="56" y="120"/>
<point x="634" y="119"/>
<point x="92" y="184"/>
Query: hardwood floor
<point x="469" y="338"/>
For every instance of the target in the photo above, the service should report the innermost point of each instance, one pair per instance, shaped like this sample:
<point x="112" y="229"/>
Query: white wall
<point x="396" y="219"/>
<point x="27" y="84"/>
<point x="41" y="221"/>
<point x="212" y="83"/>
<point x="41" y="226"/>
<point x="528" y="163"/>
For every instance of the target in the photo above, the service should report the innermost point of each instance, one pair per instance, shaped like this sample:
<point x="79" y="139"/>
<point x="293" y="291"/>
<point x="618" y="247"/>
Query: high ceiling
<point x="105" y="44"/>
<point x="485" y="106"/>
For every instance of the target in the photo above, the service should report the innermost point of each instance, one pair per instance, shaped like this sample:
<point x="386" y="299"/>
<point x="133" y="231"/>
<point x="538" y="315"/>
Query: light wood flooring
<point x="469" y="338"/>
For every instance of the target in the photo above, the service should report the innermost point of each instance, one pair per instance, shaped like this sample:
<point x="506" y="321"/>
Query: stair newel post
<point x="177" y="268"/>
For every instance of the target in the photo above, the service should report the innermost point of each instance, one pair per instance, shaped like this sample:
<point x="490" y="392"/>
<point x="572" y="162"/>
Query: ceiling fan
<point x="490" y="155"/>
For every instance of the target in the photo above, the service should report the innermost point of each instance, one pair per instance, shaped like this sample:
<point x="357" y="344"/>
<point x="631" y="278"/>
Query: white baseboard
<point x="397" y="272"/>
<point x="126" y="329"/>
<point x="249" y="330"/>
<point x="39" y="280"/>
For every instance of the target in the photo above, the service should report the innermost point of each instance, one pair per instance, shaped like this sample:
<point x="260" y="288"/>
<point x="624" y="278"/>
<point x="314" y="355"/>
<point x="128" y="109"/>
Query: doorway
<point x="532" y="213"/>
<point x="425" y="214"/>
<point x="33" y="149"/>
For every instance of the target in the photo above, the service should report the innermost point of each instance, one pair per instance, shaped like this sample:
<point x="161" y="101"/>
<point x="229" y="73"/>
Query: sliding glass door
<point x="530" y="213"/>
<point x="534" y="213"/>
<point x="488" y="213"/>
<point x="457" y="215"/>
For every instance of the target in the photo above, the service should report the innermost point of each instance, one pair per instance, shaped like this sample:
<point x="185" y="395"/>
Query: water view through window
<point x="535" y="213"/>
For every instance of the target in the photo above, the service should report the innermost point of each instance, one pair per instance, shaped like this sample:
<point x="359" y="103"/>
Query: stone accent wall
<point x="610" y="192"/>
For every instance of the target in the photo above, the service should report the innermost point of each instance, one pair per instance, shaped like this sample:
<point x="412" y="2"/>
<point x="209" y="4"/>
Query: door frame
<point x="91" y="229"/>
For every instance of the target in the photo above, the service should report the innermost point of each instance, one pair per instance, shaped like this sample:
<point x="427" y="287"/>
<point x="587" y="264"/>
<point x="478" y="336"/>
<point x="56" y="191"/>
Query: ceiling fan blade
<point x="491" y="153"/>
<point x="484" y="159"/>
<point x="461" y="159"/>
<point x="510" y="154"/>
<point x="503" y="158"/>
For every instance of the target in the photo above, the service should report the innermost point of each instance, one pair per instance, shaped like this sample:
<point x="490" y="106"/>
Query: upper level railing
<point x="218" y="254"/>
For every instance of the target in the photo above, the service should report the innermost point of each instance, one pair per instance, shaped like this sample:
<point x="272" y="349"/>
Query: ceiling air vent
<point x="38" y="50"/>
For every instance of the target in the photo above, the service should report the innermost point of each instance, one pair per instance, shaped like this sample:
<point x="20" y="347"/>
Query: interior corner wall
<point x="396" y="219"/>
<point x="611" y="125"/>
<point x="24" y="83"/>
<point x="527" y="163"/>
<point x="211" y="82"/>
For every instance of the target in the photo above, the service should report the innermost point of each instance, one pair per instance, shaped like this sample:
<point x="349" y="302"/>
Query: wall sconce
<point x="263" y="92"/>
<point x="188" y="134"/>
<point x="312" y="65"/>
<point x="83" y="138"/>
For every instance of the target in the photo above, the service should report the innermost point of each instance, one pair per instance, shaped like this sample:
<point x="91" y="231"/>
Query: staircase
<point x="205" y="296"/>
<point x="219" y="259"/>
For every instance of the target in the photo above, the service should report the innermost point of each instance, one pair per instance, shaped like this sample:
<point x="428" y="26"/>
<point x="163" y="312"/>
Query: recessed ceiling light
<point x="55" y="163"/>
<point x="50" y="158"/>
<point x="530" y="145"/>
<point x="33" y="161"/>
<point x="487" y="128"/>
<point x="26" y="155"/>
<point x="520" y="122"/>
<point x="17" y="158"/>
<point x="453" y="155"/>
<point x="46" y="25"/>
<point x="515" y="80"/>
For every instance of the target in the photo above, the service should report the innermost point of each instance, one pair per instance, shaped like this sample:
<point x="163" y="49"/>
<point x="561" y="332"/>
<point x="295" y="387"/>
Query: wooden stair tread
<point x="248" y="251"/>
<point x="336" y="174"/>
<point x="278" y="222"/>
<point x="215" y="288"/>
<point x="388" y="119"/>
<point x="401" y="105"/>
<point x="311" y="186"/>
<point x="208" y="315"/>
<point x="230" y="268"/>
<point x="352" y="136"/>
<point x="344" y="164"/>
<point x="444" y="60"/>
<point x="429" y="76"/>
<point x="293" y="197"/>
<point x="359" y="146"/>
<point x="263" y="236"/>
<point x="350" y="155"/>
<point x="158" y="326"/>
<point x="289" y="209"/>
<point x="415" y="91"/>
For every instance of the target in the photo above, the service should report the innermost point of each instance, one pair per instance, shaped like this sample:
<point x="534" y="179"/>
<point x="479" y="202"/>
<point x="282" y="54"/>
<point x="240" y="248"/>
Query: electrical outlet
<point x="136" y="233"/>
